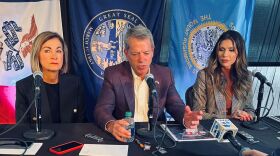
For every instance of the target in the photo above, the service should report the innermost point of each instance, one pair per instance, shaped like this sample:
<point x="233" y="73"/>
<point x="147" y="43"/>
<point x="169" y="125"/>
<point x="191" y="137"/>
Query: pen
<point x="139" y="143"/>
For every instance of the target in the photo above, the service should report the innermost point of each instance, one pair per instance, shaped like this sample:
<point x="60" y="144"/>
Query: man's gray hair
<point x="139" y="32"/>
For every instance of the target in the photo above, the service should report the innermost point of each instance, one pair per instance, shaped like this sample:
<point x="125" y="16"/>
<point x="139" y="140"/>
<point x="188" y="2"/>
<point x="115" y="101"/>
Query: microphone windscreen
<point x="37" y="73"/>
<point x="149" y="76"/>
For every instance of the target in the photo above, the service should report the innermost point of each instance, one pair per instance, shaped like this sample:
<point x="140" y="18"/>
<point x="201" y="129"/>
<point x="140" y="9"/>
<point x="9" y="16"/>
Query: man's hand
<point x="242" y="115"/>
<point x="191" y="119"/>
<point x="117" y="129"/>
<point x="253" y="153"/>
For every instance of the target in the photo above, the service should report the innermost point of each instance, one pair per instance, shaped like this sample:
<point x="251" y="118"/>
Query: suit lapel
<point x="127" y="84"/>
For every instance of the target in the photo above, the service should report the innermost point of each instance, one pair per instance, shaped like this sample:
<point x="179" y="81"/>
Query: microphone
<point x="151" y="83"/>
<point x="261" y="77"/>
<point x="148" y="132"/>
<point x="222" y="126"/>
<point x="37" y="75"/>
<point x="257" y="125"/>
<point x="224" y="129"/>
<point x="38" y="133"/>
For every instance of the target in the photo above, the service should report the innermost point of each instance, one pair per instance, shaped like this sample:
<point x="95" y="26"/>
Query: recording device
<point x="261" y="77"/>
<point x="148" y="132"/>
<point x="38" y="133"/>
<point x="224" y="129"/>
<point x="66" y="147"/>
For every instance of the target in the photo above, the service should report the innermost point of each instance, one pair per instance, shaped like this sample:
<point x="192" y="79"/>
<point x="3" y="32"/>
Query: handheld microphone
<point x="151" y="83"/>
<point x="261" y="77"/>
<point x="224" y="129"/>
<point x="222" y="126"/>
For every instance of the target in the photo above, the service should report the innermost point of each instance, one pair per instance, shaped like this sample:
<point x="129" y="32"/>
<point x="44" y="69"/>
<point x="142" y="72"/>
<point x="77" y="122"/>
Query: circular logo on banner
<point x="199" y="42"/>
<point x="103" y="39"/>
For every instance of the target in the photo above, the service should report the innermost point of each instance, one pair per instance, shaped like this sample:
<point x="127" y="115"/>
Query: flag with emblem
<point x="192" y="29"/>
<point x="97" y="29"/>
<point x="21" y="21"/>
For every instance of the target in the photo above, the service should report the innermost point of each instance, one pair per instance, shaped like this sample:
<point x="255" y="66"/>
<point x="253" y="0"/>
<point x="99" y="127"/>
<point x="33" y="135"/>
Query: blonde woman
<point x="61" y="93"/>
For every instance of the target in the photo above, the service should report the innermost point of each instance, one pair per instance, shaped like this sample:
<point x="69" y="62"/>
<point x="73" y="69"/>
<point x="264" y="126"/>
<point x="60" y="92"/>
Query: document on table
<point x="104" y="150"/>
<point x="32" y="150"/>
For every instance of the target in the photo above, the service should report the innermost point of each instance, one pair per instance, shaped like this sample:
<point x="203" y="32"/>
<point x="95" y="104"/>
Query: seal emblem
<point x="103" y="39"/>
<point x="199" y="42"/>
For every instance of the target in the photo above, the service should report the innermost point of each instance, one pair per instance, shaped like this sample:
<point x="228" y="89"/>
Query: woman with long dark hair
<point x="223" y="88"/>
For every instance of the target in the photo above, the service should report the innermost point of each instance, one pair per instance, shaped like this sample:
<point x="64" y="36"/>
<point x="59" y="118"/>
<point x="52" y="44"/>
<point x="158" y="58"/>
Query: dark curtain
<point x="264" y="47"/>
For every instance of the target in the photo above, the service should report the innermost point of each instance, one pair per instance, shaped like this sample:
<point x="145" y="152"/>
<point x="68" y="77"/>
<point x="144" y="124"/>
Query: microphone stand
<point x="257" y="124"/>
<point x="39" y="133"/>
<point x="148" y="132"/>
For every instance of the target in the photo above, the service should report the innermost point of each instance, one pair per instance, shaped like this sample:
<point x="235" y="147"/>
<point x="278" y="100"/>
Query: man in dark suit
<point x="124" y="88"/>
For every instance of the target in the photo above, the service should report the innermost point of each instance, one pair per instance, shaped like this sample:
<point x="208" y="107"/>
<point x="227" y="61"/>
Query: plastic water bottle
<point x="131" y="126"/>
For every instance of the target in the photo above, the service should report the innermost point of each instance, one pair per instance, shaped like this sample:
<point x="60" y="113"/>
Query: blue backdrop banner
<point x="192" y="29"/>
<point x="97" y="29"/>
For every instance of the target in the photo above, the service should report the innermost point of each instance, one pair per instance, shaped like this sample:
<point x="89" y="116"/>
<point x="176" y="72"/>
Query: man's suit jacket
<point x="211" y="101"/>
<point x="117" y="94"/>
<point x="70" y="97"/>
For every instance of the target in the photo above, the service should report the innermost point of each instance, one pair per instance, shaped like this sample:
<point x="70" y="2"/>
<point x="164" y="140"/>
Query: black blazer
<point x="72" y="105"/>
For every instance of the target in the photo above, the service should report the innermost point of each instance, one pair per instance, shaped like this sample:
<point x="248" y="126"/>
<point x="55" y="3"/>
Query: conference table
<point x="75" y="131"/>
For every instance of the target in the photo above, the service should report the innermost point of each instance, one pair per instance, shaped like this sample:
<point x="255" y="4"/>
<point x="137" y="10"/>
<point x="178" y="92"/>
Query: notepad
<point x="104" y="150"/>
<point x="30" y="151"/>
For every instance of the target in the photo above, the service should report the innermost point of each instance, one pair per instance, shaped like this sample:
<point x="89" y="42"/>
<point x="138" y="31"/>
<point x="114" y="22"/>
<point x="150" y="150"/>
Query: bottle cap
<point x="128" y="114"/>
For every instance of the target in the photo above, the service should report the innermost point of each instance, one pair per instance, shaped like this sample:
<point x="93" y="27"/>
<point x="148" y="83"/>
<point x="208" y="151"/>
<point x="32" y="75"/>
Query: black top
<point x="65" y="103"/>
<point x="53" y="97"/>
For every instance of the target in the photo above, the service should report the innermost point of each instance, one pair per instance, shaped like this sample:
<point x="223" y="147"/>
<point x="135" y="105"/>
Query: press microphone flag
<point x="221" y="127"/>
<point x="224" y="129"/>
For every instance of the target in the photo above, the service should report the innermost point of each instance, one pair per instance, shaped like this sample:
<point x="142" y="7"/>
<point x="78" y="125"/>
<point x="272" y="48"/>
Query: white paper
<point x="30" y="151"/>
<point x="104" y="150"/>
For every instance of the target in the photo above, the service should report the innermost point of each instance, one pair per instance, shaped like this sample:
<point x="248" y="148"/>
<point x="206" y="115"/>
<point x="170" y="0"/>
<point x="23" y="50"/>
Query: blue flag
<point x="194" y="27"/>
<point x="97" y="29"/>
